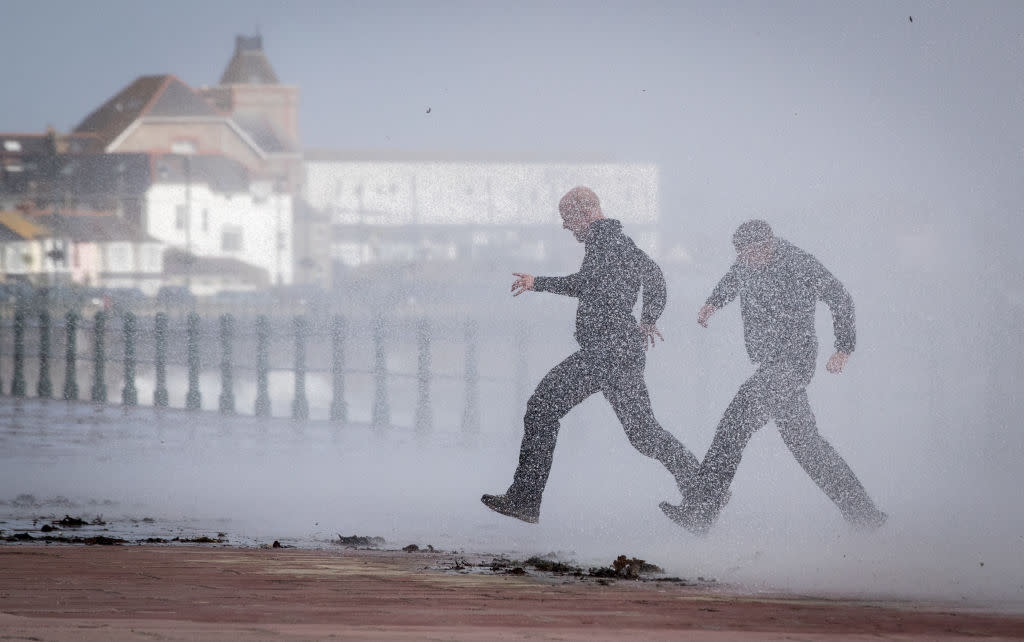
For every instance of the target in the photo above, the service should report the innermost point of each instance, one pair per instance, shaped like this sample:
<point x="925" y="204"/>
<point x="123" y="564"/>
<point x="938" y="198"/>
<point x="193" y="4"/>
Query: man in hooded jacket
<point x="611" y="358"/>
<point x="778" y="285"/>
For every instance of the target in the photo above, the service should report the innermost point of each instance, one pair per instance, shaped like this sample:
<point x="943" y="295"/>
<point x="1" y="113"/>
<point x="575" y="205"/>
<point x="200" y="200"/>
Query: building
<point x="386" y="209"/>
<point x="209" y="207"/>
<point x="46" y="248"/>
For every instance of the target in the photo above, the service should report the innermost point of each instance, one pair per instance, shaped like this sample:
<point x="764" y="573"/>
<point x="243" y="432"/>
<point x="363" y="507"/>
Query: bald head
<point x="581" y="199"/>
<point x="579" y="208"/>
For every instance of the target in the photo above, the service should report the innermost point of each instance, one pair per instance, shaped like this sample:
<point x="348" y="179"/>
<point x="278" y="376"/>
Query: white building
<point x="391" y="209"/>
<point x="207" y="206"/>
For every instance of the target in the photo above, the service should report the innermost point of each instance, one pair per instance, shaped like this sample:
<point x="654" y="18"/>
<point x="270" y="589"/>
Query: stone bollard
<point x="129" y="394"/>
<point x="227" y="393"/>
<point x="45" y="387"/>
<point x="300" y="406"/>
<point x="160" y="397"/>
<point x="99" y="386"/>
<point x="471" y="414"/>
<point x="339" y="410"/>
<point x="381" y="409"/>
<point x="193" y="399"/>
<point x="424" y="411"/>
<point x="71" y="357"/>
<point x="262" y="384"/>
<point x="18" y="382"/>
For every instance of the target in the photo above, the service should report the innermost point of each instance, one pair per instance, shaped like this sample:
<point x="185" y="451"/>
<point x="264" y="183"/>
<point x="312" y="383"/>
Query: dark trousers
<point x="618" y="373"/>
<point x="777" y="390"/>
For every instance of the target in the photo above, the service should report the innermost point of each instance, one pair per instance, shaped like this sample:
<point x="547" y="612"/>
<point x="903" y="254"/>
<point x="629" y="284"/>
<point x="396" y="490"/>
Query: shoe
<point x="686" y="517"/>
<point x="510" y="507"/>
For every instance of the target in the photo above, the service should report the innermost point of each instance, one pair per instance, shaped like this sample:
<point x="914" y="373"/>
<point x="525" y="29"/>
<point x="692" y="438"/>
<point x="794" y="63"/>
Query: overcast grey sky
<point x="833" y="109"/>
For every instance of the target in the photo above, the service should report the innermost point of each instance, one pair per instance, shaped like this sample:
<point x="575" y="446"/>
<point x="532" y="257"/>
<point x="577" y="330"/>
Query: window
<point x="231" y="239"/>
<point x="118" y="258"/>
<point x="183" y="147"/>
<point x="180" y="216"/>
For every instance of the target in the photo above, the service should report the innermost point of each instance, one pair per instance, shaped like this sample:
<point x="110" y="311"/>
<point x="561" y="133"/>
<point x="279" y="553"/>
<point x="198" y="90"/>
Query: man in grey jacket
<point x="779" y="286"/>
<point x="610" y="360"/>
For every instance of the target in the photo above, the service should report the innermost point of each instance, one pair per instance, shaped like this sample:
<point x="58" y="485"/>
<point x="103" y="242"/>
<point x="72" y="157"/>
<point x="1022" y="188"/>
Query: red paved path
<point x="62" y="592"/>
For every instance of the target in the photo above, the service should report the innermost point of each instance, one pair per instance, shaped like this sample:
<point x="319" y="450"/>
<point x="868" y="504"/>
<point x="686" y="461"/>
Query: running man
<point x="610" y="360"/>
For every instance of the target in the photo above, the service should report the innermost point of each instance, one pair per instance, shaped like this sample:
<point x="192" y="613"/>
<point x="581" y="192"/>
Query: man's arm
<point x="726" y="290"/>
<point x="652" y="280"/>
<point x="655" y="294"/>
<point x="567" y="285"/>
<point x="828" y="288"/>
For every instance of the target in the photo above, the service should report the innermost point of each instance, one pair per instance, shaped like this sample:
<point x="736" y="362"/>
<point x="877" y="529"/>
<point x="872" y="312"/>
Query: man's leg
<point x="627" y="393"/>
<point x="823" y="464"/>
<point x="561" y="389"/>
<point x="709" y="490"/>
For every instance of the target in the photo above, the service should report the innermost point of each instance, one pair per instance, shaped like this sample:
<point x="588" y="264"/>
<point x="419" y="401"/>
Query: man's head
<point x="754" y="243"/>
<point x="579" y="208"/>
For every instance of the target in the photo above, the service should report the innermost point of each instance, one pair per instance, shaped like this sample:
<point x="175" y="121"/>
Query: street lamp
<point x="164" y="169"/>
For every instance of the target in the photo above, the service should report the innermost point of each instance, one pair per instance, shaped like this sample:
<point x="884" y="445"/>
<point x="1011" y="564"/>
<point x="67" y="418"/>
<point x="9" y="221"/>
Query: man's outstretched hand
<point x="650" y="331"/>
<point x="837" y="362"/>
<point x="705" y="314"/>
<point x="522" y="283"/>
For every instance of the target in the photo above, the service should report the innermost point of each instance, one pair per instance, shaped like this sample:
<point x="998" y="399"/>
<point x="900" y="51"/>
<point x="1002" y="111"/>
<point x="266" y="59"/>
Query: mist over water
<point x="917" y="425"/>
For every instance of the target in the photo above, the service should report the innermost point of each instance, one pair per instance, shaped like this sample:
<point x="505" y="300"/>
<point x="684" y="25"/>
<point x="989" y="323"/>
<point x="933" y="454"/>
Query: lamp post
<point x="280" y="233"/>
<point x="165" y="170"/>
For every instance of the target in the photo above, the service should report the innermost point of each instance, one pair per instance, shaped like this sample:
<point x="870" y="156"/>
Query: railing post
<point x="160" y="397"/>
<point x="424" y="411"/>
<point x="227" y="394"/>
<point x="18" y="382"/>
<point x="99" y="386"/>
<point x="300" y="406"/>
<point x="129" y="395"/>
<point x="381" y="409"/>
<point x="262" y="384"/>
<point x="71" y="356"/>
<point x="339" y="409"/>
<point x="193" y="398"/>
<point x="45" y="387"/>
<point x="471" y="414"/>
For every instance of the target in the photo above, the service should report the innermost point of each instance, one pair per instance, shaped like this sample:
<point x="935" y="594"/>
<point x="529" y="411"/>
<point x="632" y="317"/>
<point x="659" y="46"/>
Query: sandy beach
<point x="188" y="592"/>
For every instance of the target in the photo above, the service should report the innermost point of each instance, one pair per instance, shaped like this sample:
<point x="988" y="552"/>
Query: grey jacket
<point x="607" y="285"/>
<point x="777" y="303"/>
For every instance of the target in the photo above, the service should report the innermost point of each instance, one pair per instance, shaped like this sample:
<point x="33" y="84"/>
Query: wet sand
<point x="133" y="592"/>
